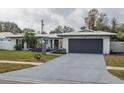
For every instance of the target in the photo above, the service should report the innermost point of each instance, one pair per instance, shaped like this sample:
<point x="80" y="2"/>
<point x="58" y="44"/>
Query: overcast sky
<point x="73" y="17"/>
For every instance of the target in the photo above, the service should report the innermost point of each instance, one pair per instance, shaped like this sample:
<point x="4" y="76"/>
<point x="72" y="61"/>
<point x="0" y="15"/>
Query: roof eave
<point x="17" y="36"/>
<point x="90" y="35"/>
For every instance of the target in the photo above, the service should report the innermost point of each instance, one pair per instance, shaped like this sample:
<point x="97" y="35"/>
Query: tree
<point x="120" y="32"/>
<point x="91" y="19"/>
<point x="102" y="23"/>
<point x="9" y="27"/>
<point x="83" y="27"/>
<point x="114" y="24"/>
<point x="28" y="30"/>
<point x="120" y="35"/>
<point x="57" y="30"/>
<point x="43" y="32"/>
<point x="60" y="29"/>
<point x="30" y="38"/>
<point x="67" y="29"/>
<point x="97" y="20"/>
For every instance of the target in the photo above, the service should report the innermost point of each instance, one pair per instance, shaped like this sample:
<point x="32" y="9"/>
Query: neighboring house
<point x="87" y="41"/>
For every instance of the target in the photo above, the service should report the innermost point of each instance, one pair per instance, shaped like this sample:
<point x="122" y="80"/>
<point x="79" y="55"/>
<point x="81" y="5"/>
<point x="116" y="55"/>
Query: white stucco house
<point x="87" y="41"/>
<point x="9" y="40"/>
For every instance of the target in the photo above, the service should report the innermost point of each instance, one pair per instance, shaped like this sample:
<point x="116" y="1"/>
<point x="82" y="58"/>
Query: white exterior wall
<point x="53" y="43"/>
<point x="7" y="44"/>
<point x="106" y="45"/>
<point x="60" y="43"/>
<point x="48" y="44"/>
<point x="106" y="42"/>
<point x="12" y="44"/>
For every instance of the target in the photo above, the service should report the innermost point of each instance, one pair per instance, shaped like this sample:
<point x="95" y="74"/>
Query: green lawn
<point x="23" y="56"/>
<point x="115" y="60"/>
<point x="6" y="67"/>
<point x="117" y="73"/>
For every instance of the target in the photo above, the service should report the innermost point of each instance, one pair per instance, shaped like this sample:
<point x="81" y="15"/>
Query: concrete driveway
<point x="69" y="68"/>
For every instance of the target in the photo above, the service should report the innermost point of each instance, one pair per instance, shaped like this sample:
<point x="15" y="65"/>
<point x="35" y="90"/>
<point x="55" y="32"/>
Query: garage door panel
<point x="86" y="46"/>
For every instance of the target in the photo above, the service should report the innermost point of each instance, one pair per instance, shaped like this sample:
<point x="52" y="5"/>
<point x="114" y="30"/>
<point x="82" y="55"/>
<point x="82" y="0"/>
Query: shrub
<point x="30" y="38"/>
<point x="60" y="51"/>
<point x="36" y="49"/>
<point x="49" y="49"/>
<point x="37" y="56"/>
<point x="18" y="47"/>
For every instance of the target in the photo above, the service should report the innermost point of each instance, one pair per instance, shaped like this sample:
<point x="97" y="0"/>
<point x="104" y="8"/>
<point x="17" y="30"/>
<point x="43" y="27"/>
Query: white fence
<point x="117" y="46"/>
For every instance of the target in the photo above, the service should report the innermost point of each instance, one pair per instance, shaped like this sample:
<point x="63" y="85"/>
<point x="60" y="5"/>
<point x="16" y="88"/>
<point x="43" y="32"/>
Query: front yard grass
<point x="117" y="73"/>
<point x="115" y="60"/>
<point x="22" y="56"/>
<point x="6" y="67"/>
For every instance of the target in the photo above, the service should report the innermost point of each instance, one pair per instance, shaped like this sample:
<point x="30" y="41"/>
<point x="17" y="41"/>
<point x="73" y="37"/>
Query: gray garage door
<point x="86" y="46"/>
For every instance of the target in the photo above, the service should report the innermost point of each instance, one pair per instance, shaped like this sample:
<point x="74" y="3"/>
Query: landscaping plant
<point x="18" y="47"/>
<point x="37" y="56"/>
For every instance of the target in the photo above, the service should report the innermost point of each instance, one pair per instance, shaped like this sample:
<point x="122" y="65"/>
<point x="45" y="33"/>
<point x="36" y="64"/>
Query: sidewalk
<point x="115" y="68"/>
<point x="20" y="62"/>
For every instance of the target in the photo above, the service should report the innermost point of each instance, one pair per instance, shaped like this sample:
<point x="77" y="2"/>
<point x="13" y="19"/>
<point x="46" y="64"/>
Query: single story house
<point x="87" y="41"/>
<point x="9" y="40"/>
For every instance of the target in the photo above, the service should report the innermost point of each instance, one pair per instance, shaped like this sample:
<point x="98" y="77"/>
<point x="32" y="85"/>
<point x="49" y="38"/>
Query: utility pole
<point x="42" y="26"/>
<point x="43" y="39"/>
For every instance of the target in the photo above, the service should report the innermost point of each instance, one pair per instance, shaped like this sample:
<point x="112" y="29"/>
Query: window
<point x="28" y="46"/>
<point x="20" y="42"/>
<point x="17" y="41"/>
